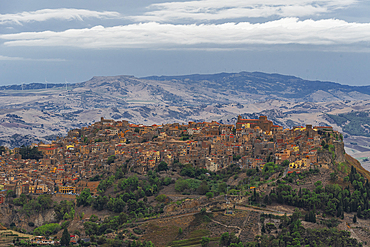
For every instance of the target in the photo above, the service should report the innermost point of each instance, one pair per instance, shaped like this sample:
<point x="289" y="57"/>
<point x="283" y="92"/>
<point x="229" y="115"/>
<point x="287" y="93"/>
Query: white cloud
<point x="159" y="36"/>
<point x="208" y="10"/>
<point x="60" y="14"/>
<point x="6" y="58"/>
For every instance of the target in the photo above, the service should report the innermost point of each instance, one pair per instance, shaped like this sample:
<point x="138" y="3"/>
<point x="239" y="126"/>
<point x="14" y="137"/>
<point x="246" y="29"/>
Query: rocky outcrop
<point x="41" y="218"/>
<point x="325" y="157"/>
<point x="339" y="152"/>
<point x="12" y="215"/>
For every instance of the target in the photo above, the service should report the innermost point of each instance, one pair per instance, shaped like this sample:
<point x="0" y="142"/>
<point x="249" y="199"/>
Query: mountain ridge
<point x="260" y="77"/>
<point x="222" y="87"/>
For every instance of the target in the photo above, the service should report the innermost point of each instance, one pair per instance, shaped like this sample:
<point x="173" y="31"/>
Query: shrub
<point x="209" y="195"/>
<point x="47" y="229"/>
<point x="162" y="166"/>
<point x="65" y="224"/>
<point x="137" y="231"/>
<point x="161" y="198"/>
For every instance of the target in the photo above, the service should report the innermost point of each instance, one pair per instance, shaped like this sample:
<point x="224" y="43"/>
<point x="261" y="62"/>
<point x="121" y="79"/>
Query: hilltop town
<point x="115" y="182"/>
<point x="68" y="163"/>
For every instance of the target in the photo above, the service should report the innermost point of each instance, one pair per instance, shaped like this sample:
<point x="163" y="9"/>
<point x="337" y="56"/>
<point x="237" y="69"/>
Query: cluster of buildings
<point x="69" y="163"/>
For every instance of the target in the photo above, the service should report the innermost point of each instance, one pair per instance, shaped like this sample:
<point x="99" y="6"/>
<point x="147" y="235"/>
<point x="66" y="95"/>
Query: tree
<point x="84" y="198"/>
<point x="66" y="238"/>
<point x="285" y="163"/>
<point x="224" y="240"/>
<point x="47" y="229"/>
<point x="222" y="187"/>
<point x="161" y="198"/>
<point x="111" y="159"/>
<point x="10" y="193"/>
<point x="263" y="229"/>
<point x="203" y="188"/>
<point x="162" y="166"/>
<point x="180" y="231"/>
<point x="209" y="195"/>
<point x="30" y="153"/>
<point x="318" y="183"/>
<point x="205" y="241"/>
<point x="334" y="176"/>
<point x="93" y="218"/>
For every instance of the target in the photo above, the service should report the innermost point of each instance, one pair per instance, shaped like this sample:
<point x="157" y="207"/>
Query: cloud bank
<point x="162" y="36"/>
<point x="59" y="14"/>
<point x="210" y="10"/>
<point x="6" y="58"/>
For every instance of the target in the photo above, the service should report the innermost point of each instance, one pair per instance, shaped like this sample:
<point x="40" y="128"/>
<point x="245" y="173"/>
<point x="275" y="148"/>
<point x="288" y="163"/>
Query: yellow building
<point x="299" y="163"/>
<point x="67" y="189"/>
<point x="70" y="146"/>
<point x="32" y="189"/>
<point x="246" y="125"/>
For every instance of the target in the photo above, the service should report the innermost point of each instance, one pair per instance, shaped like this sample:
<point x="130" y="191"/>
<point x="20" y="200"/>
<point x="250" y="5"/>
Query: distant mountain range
<point x="274" y="85"/>
<point x="41" y="112"/>
<point x="240" y="87"/>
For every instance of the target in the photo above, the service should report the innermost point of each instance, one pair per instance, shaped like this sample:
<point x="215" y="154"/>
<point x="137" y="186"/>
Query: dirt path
<point x="267" y="211"/>
<point x="240" y="229"/>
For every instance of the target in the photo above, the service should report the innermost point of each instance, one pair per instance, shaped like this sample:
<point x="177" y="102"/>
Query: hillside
<point x="170" y="185"/>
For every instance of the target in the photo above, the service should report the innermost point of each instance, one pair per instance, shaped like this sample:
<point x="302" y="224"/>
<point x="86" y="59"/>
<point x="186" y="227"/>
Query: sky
<point x="69" y="40"/>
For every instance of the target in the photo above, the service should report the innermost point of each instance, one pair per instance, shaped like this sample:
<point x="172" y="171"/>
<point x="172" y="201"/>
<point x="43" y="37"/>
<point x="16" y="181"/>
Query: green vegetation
<point x="162" y="166"/>
<point x="129" y="191"/>
<point x="184" y="137"/>
<point x="188" y="185"/>
<point x="47" y="229"/>
<point x="292" y="233"/>
<point x="95" y="178"/>
<point x="84" y="199"/>
<point x="111" y="159"/>
<point x="64" y="241"/>
<point x="111" y="223"/>
<point x="189" y="171"/>
<point x="205" y="241"/>
<point x="161" y="198"/>
<point x="64" y="210"/>
<point x="30" y="153"/>
<point x="140" y="244"/>
<point x="332" y="200"/>
<point x="22" y="200"/>
<point x="354" y="123"/>
<point x="209" y="195"/>
<point x="29" y="205"/>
